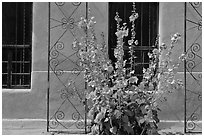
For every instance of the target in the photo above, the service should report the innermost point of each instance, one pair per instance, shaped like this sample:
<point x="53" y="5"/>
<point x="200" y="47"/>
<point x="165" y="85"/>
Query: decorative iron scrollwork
<point x="190" y="64"/>
<point x="54" y="62"/>
<point x="59" y="45"/>
<point x="190" y="56"/>
<point x="193" y="88"/>
<point x="53" y="124"/>
<point x="80" y="124"/>
<point x="196" y="4"/>
<point x="76" y="3"/>
<point x="194" y="117"/>
<point x="60" y="3"/>
<point x="190" y="125"/>
<point x="59" y="115"/>
<point x="54" y="54"/>
<point x="195" y="47"/>
<point x="75" y="116"/>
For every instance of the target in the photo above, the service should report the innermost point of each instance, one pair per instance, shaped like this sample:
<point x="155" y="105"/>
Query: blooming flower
<point x="133" y="17"/>
<point x="110" y="89"/>
<point x="182" y="57"/>
<point x="155" y="51"/>
<point x="130" y="42"/>
<point x="175" y="37"/>
<point x="163" y="46"/>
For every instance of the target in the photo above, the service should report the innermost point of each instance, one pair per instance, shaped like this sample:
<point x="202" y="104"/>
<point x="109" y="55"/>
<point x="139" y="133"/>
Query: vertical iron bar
<point x="85" y="109"/>
<point x="23" y="82"/>
<point x="185" y="68"/>
<point x="9" y="69"/>
<point x="141" y="18"/>
<point x="149" y="25"/>
<point x="16" y="42"/>
<point x="85" y="81"/>
<point x="48" y="68"/>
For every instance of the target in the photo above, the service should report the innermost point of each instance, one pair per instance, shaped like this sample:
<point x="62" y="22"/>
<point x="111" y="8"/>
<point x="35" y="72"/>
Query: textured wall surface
<point x="172" y="21"/>
<point x="32" y="103"/>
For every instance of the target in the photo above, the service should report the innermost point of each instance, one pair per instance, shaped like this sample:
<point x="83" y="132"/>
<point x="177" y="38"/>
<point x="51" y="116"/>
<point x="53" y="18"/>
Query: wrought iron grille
<point x="17" y="41"/>
<point x="193" y="67"/>
<point x="65" y="95"/>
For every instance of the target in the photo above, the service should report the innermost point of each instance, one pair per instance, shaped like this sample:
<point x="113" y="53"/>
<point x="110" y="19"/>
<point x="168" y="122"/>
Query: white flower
<point x="155" y="51"/>
<point x="126" y="32"/>
<point x="175" y="37"/>
<point x="133" y="17"/>
<point x="136" y="42"/>
<point x="182" y="57"/>
<point x="150" y="55"/>
<point x="163" y="46"/>
<point x="130" y="42"/>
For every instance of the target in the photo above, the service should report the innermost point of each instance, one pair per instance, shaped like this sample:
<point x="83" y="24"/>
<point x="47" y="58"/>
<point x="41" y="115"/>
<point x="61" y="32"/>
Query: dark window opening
<point x="146" y="31"/>
<point x="16" y="44"/>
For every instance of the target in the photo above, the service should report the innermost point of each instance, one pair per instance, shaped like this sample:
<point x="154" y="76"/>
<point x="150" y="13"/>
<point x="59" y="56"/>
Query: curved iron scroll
<point x="66" y="86"/>
<point x="193" y="67"/>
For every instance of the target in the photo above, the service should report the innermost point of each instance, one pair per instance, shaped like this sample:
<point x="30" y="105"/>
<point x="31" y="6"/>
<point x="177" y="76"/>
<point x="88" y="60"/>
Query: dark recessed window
<point x="146" y="30"/>
<point x="16" y="44"/>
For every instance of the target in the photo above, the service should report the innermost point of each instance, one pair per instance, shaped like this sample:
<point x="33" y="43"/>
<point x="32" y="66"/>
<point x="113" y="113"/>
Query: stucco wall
<point x="171" y="21"/>
<point x="31" y="103"/>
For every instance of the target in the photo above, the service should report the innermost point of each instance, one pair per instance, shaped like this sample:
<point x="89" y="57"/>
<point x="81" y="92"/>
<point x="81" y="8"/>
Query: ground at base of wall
<point x="39" y="128"/>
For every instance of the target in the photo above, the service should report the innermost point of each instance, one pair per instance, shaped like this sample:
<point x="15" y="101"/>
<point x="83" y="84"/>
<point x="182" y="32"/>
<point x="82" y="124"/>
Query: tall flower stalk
<point x="117" y="103"/>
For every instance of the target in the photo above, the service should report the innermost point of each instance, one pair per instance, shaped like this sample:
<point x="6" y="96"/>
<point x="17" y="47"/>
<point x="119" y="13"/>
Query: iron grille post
<point x="192" y="60"/>
<point x="185" y="68"/>
<point x="85" y="81"/>
<point x="48" y="68"/>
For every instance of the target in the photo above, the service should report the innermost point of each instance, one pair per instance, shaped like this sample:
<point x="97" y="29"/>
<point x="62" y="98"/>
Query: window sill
<point x="16" y="90"/>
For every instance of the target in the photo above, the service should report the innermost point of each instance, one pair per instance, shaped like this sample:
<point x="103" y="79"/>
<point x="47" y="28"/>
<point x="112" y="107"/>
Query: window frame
<point x="11" y="48"/>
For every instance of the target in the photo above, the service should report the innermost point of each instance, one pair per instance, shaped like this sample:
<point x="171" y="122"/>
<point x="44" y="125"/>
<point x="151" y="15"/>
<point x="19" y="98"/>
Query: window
<point x="16" y="44"/>
<point x="146" y="31"/>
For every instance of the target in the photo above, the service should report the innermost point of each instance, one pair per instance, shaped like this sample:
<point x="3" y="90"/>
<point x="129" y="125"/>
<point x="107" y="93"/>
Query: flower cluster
<point x="117" y="103"/>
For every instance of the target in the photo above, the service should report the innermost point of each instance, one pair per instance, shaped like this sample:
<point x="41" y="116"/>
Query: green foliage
<point x="119" y="104"/>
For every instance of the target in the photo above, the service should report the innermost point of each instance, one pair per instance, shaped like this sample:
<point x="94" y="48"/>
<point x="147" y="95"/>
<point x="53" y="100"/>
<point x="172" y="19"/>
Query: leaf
<point x="113" y="130"/>
<point x="117" y="113"/>
<point x="106" y="120"/>
<point x="140" y="101"/>
<point x="156" y="119"/>
<point x="129" y="113"/>
<point x="99" y="117"/>
<point x="91" y="113"/>
<point x="95" y="129"/>
<point x="142" y="120"/>
<point x="125" y="119"/>
<point x="133" y="79"/>
<point x="129" y="130"/>
<point x="159" y="109"/>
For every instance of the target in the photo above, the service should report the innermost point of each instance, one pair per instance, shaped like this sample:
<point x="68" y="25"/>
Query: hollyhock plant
<point x="118" y="103"/>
